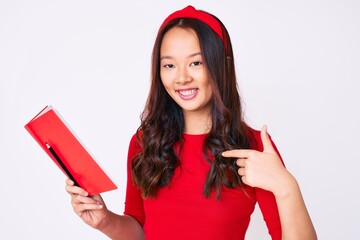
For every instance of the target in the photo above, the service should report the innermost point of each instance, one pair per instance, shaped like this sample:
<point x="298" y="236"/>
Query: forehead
<point x="179" y="40"/>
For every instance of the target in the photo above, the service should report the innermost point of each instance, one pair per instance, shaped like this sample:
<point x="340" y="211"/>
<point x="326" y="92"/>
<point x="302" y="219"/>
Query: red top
<point x="180" y="211"/>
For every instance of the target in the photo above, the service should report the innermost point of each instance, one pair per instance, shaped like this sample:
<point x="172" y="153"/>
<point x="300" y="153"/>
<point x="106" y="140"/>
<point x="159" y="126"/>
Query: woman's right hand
<point x="92" y="210"/>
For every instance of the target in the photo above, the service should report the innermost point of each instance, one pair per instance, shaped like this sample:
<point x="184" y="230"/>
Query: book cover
<point x="68" y="153"/>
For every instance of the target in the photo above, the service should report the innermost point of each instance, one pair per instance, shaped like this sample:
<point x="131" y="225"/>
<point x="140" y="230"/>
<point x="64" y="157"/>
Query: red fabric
<point x="181" y="212"/>
<point x="208" y="19"/>
<point x="191" y="12"/>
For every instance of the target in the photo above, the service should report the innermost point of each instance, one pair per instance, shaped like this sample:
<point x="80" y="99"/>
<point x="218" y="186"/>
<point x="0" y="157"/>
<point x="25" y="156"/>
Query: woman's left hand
<point x="265" y="170"/>
<point x="261" y="169"/>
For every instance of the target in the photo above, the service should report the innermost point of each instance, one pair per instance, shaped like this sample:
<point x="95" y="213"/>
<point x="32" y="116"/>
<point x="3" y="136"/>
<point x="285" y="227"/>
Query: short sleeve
<point x="133" y="200"/>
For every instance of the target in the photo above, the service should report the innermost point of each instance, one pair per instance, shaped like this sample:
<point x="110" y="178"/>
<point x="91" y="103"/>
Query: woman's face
<point x="183" y="72"/>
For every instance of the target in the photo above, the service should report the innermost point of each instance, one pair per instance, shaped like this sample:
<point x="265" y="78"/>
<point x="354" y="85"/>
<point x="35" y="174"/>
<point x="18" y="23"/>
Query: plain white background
<point x="298" y="71"/>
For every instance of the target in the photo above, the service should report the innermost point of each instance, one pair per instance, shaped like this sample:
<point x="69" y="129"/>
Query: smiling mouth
<point x="188" y="93"/>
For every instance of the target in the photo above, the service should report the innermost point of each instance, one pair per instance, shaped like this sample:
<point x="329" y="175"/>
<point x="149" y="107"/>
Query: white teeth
<point x="187" y="92"/>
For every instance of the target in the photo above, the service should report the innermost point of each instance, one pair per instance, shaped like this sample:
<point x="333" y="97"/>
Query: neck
<point x="197" y="123"/>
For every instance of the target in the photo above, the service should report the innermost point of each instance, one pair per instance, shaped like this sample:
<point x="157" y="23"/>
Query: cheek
<point x="207" y="85"/>
<point x="209" y="93"/>
<point x="166" y="79"/>
<point x="163" y="79"/>
<point x="166" y="84"/>
<point x="164" y="76"/>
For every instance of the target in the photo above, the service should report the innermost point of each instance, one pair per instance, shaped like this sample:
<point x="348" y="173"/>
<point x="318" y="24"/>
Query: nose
<point x="183" y="76"/>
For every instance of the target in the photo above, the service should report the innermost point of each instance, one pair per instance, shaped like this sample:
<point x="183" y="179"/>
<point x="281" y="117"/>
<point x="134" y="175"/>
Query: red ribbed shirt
<point x="181" y="212"/>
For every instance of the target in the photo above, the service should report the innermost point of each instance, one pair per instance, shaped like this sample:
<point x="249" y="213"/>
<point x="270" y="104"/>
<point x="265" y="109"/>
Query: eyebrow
<point x="190" y="56"/>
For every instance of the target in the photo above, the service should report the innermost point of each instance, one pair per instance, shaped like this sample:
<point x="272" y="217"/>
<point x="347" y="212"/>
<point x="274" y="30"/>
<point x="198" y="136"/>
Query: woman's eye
<point x="169" y="66"/>
<point x="196" y="63"/>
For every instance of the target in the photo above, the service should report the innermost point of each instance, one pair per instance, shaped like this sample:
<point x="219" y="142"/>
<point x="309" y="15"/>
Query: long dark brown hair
<point x="162" y="121"/>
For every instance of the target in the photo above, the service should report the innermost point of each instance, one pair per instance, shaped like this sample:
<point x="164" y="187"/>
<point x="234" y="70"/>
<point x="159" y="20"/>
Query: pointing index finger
<point x="236" y="153"/>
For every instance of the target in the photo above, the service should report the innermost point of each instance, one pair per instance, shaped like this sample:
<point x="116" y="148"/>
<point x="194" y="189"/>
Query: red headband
<point x="191" y="12"/>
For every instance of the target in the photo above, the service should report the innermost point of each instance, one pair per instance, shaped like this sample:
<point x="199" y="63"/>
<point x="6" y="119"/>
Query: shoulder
<point x="255" y="139"/>
<point x="135" y="143"/>
<point x="256" y="142"/>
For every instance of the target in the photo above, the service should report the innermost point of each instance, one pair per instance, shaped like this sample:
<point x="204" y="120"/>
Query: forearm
<point x="295" y="220"/>
<point x="121" y="227"/>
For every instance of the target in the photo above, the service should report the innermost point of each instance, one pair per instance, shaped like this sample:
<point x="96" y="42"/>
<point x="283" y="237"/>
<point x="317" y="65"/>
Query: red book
<point x="68" y="153"/>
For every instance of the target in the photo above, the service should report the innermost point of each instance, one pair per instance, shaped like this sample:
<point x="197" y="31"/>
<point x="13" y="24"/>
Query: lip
<point x="187" y="94"/>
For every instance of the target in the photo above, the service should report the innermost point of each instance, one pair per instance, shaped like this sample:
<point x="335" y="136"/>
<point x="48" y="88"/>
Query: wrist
<point x="288" y="186"/>
<point x="105" y="222"/>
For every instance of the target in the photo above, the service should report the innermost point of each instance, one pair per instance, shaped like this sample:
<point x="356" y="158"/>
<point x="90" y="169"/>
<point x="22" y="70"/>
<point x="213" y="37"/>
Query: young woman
<point x="195" y="169"/>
